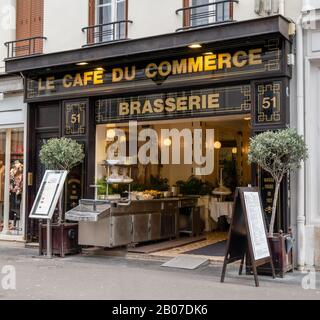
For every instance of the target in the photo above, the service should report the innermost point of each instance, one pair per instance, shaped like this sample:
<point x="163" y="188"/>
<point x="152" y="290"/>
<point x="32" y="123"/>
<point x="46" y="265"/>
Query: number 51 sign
<point x="270" y="103"/>
<point x="75" y="118"/>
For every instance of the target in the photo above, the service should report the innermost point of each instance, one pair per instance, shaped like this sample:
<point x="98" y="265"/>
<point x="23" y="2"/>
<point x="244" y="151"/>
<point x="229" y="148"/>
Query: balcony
<point x="207" y="14"/>
<point x="24" y="47"/>
<point x="107" y="32"/>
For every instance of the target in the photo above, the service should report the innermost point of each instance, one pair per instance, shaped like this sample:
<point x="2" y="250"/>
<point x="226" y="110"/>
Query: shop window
<point x="11" y="179"/>
<point x="208" y="12"/>
<point x="16" y="176"/>
<point x="110" y="13"/>
<point x="2" y="174"/>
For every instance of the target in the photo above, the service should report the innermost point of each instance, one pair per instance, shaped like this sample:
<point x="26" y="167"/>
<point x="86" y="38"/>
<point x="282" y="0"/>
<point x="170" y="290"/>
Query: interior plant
<point x="158" y="183"/>
<point x="278" y="153"/>
<point x="61" y="154"/>
<point x="102" y="189"/>
<point x="195" y="186"/>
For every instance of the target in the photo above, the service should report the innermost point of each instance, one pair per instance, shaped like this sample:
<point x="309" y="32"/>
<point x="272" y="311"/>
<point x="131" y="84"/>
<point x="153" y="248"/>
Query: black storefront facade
<point x="240" y="68"/>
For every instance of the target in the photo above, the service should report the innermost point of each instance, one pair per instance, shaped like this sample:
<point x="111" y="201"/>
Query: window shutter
<point x="23" y="19"/>
<point x="186" y="14"/>
<point x="29" y="23"/>
<point x="92" y="20"/>
<point x="275" y="6"/>
<point x="266" y="7"/>
<point x="36" y="27"/>
<point x="92" y="13"/>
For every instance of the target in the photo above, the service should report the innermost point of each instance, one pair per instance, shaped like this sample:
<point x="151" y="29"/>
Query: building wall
<point x="293" y="9"/>
<point x="7" y="27"/>
<point x="152" y="17"/>
<point x="244" y="11"/>
<point x="63" y="21"/>
<point x="312" y="133"/>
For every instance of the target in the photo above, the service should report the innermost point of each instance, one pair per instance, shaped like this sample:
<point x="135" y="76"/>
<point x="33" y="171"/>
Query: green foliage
<point x="138" y="187"/>
<point x="61" y="154"/>
<point x="155" y="183"/>
<point x="194" y="186"/>
<point x="278" y="152"/>
<point x="159" y="184"/>
<point x="102" y="190"/>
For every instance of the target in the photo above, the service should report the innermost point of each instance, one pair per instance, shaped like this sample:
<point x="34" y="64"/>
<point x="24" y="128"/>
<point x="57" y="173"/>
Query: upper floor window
<point x="209" y="12"/>
<point x="110" y="13"/>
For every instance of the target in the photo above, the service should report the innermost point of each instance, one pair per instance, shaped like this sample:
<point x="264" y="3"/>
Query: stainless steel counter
<point x="140" y="221"/>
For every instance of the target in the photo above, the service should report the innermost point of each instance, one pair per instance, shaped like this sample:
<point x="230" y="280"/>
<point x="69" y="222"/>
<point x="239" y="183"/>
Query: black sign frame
<point x="239" y="244"/>
<point x="233" y="99"/>
<point x="269" y="89"/>
<point x="273" y="65"/>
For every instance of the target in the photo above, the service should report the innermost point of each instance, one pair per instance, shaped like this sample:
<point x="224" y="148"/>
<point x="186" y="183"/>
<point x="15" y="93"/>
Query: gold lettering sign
<point x="165" y="68"/>
<point x="179" y="104"/>
<point x="241" y="63"/>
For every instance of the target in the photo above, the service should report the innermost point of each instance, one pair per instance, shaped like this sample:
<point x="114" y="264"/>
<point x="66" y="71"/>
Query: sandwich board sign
<point x="48" y="195"/>
<point x="248" y="233"/>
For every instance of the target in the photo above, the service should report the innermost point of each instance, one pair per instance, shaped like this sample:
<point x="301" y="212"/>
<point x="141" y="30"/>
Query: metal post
<point x="60" y="208"/>
<point x="301" y="217"/>
<point x="49" y="239"/>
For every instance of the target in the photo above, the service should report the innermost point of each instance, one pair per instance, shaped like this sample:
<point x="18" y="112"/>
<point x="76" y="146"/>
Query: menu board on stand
<point x="47" y="199"/>
<point x="247" y="233"/>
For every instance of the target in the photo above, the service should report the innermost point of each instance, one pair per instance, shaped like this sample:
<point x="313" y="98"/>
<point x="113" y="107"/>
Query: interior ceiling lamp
<point x="234" y="150"/>
<point x="111" y="133"/>
<point x="217" y="145"/>
<point x="123" y="139"/>
<point x="167" y="142"/>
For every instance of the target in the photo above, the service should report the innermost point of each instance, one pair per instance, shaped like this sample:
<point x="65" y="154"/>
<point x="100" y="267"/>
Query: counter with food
<point x="144" y="218"/>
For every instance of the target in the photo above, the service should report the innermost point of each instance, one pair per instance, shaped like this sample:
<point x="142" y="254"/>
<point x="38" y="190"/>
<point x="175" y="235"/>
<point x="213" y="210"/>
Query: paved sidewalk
<point x="83" y="277"/>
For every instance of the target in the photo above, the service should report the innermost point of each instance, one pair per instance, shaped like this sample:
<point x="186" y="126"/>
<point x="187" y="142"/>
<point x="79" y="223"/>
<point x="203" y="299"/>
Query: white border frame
<point x="56" y="198"/>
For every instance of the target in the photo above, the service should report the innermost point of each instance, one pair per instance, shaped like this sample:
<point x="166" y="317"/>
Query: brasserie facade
<point x="234" y="79"/>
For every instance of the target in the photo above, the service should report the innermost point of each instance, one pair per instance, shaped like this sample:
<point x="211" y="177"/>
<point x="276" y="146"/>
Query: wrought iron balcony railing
<point x="24" y="47"/>
<point x="207" y="14"/>
<point x="106" y="32"/>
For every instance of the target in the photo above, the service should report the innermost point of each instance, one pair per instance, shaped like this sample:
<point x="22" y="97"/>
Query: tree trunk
<point x="274" y="208"/>
<point x="63" y="195"/>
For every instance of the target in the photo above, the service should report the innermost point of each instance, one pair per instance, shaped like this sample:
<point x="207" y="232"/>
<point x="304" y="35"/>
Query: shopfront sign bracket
<point x="247" y="234"/>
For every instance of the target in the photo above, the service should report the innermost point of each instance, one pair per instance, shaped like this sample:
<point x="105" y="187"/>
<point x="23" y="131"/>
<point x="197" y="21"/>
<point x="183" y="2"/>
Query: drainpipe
<point x="301" y="218"/>
<point x="282" y="7"/>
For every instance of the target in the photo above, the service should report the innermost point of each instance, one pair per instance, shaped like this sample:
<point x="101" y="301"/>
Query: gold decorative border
<point x="69" y="128"/>
<point x="274" y="87"/>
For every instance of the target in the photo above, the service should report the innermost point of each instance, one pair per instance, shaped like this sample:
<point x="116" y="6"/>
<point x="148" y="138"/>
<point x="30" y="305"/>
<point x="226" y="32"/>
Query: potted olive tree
<point x="278" y="153"/>
<point x="61" y="154"/>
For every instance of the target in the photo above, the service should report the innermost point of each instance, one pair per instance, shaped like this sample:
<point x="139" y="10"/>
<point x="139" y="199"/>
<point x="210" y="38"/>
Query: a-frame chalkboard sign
<point x="247" y="233"/>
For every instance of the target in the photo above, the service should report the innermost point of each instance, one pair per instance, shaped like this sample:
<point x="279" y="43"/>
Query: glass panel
<point x="223" y="12"/>
<point x="16" y="175"/>
<point x="121" y="12"/>
<point x="104" y="2"/>
<point x="110" y="11"/>
<point x="105" y="16"/>
<point x="199" y="16"/>
<point x="2" y="173"/>
<point x="209" y="14"/>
